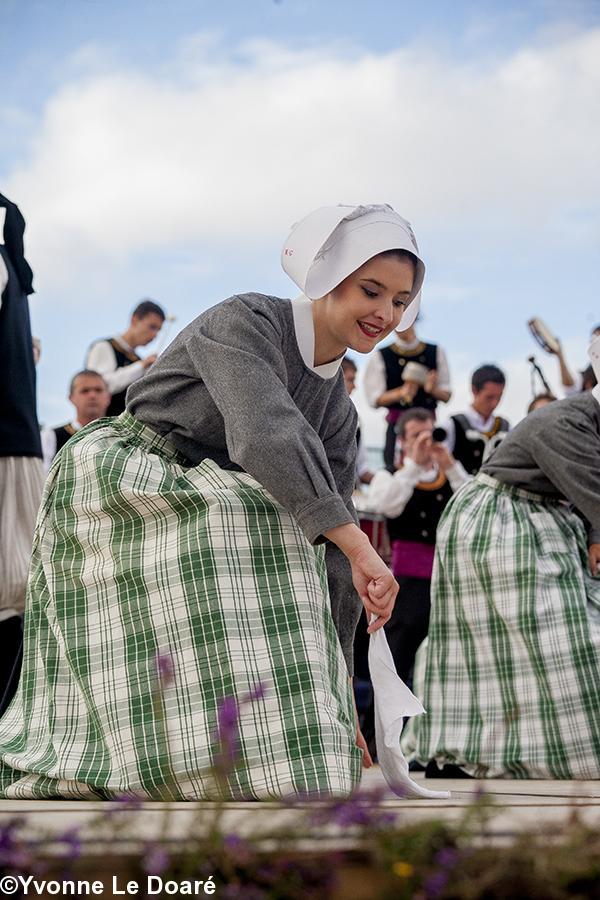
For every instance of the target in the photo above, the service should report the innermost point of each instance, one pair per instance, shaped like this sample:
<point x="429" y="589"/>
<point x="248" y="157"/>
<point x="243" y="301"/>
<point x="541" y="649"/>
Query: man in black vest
<point x="89" y="395"/>
<point x="472" y="435"/>
<point x="115" y="358"/>
<point x="21" y="470"/>
<point x="387" y="384"/>
<point x="413" y="498"/>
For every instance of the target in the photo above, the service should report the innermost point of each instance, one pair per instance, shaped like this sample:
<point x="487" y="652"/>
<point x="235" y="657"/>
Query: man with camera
<point x="413" y="499"/>
<point x="407" y="374"/>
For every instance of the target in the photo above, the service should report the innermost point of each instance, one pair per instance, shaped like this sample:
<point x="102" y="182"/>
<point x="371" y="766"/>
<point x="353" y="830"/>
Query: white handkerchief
<point x="393" y="701"/>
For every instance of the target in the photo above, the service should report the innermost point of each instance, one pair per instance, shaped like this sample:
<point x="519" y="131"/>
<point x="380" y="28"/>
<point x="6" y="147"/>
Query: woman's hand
<point x="374" y="583"/>
<point x="594" y="558"/>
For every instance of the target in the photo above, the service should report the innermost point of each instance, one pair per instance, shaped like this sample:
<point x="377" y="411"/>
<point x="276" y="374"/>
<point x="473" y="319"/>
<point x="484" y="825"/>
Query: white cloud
<point x="221" y="148"/>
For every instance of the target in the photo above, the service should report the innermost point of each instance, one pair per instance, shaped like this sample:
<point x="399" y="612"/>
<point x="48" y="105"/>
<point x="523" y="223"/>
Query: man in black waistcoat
<point x="21" y="470"/>
<point x="115" y="358"/>
<point x="387" y="383"/>
<point x="472" y="435"/>
<point x="90" y="397"/>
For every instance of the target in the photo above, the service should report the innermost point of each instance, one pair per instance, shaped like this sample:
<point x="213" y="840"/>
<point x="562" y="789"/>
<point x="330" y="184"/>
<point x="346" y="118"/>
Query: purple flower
<point x="227" y="736"/>
<point x="237" y="849"/>
<point x="360" y="810"/>
<point x="227" y="717"/>
<point x="479" y="793"/>
<point x="72" y="840"/>
<point x="435" y="884"/>
<point x="14" y="853"/>
<point x="126" y="801"/>
<point x="156" y="860"/>
<point x="166" y="669"/>
<point x="256" y="693"/>
<point x="447" y="857"/>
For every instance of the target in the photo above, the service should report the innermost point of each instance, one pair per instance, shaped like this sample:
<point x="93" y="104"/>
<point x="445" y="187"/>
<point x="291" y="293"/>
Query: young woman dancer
<point x="512" y="677"/>
<point x="208" y="533"/>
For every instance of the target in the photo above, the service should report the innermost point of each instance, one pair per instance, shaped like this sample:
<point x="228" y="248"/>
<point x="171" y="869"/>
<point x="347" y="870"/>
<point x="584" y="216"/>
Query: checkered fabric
<point x="512" y="680"/>
<point x="139" y="564"/>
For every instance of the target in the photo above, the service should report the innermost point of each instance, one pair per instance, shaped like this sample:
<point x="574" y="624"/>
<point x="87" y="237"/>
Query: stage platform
<point x="518" y="805"/>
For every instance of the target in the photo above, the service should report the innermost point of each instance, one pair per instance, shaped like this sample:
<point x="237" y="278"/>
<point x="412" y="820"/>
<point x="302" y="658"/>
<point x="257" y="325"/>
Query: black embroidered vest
<point x="395" y="359"/>
<point x="123" y="358"/>
<point x="63" y="433"/>
<point x="471" y="452"/>
<point x="419" y="520"/>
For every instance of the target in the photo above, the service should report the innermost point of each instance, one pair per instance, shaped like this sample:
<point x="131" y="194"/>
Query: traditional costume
<point x="385" y="371"/>
<point x="471" y="438"/>
<point x="54" y="439"/>
<point x="119" y="365"/>
<point x="21" y="470"/>
<point x="413" y="500"/>
<point x="189" y="529"/>
<point x="512" y="677"/>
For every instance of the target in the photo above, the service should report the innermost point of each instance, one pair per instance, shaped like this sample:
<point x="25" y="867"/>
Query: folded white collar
<point x="305" y="336"/>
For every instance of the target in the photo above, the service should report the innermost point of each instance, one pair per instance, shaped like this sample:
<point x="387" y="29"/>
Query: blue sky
<point x="163" y="148"/>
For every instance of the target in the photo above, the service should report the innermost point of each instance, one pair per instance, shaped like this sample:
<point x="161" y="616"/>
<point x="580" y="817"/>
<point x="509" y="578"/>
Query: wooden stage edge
<point x="517" y="805"/>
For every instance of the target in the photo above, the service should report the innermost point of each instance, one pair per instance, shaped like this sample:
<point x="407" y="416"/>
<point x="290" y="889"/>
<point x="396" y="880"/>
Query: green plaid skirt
<point x="178" y="637"/>
<point x="512" y="674"/>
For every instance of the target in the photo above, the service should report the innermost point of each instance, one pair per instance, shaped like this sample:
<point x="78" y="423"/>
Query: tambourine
<point x="543" y="336"/>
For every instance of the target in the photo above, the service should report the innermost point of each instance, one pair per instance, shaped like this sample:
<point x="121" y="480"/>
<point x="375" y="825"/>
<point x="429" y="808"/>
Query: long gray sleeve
<point x="237" y="354"/>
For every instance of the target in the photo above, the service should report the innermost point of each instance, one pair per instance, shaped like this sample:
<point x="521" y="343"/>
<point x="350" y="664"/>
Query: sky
<point x="163" y="149"/>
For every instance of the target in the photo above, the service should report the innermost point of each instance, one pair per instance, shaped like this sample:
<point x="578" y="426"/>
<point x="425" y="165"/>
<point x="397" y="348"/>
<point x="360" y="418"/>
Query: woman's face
<point x="364" y="308"/>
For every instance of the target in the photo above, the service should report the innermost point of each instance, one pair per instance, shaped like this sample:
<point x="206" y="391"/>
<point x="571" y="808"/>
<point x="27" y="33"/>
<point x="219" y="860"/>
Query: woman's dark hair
<point x="400" y="254"/>
<point x="588" y="379"/>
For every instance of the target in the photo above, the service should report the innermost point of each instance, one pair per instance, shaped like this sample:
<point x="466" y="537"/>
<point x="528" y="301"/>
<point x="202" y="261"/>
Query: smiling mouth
<point x="371" y="331"/>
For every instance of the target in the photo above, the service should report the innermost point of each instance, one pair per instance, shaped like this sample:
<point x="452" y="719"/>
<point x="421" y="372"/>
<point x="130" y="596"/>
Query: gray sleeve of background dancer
<point x="567" y="450"/>
<point x="346" y="605"/>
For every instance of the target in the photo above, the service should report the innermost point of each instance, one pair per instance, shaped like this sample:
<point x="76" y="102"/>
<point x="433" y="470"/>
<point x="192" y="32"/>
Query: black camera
<point x="439" y="435"/>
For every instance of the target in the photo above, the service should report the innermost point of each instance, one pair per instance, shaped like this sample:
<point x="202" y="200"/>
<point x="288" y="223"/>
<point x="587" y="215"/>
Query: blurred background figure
<point x="21" y="470"/>
<point x="540" y="400"/>
<point x="585" y="380"/>
<point x="471" y="435"/>
<point x="89" y="395"/>
<point x="115" y="358"/>
<point x="408" y="373"/>
<point x="413" y="500"/>
<point x="363" y="475"/>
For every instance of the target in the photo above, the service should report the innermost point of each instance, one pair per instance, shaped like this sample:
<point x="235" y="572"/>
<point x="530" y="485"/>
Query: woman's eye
<point x="369" y="293"/>
<point x="400" y="304"/>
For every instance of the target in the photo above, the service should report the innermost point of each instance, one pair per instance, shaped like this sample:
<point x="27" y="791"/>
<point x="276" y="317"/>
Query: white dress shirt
<point x="49" y="443"/>
<point x="389" y="494"/>
<point x="101" y="358"/>
<point x="374" y="379"/>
